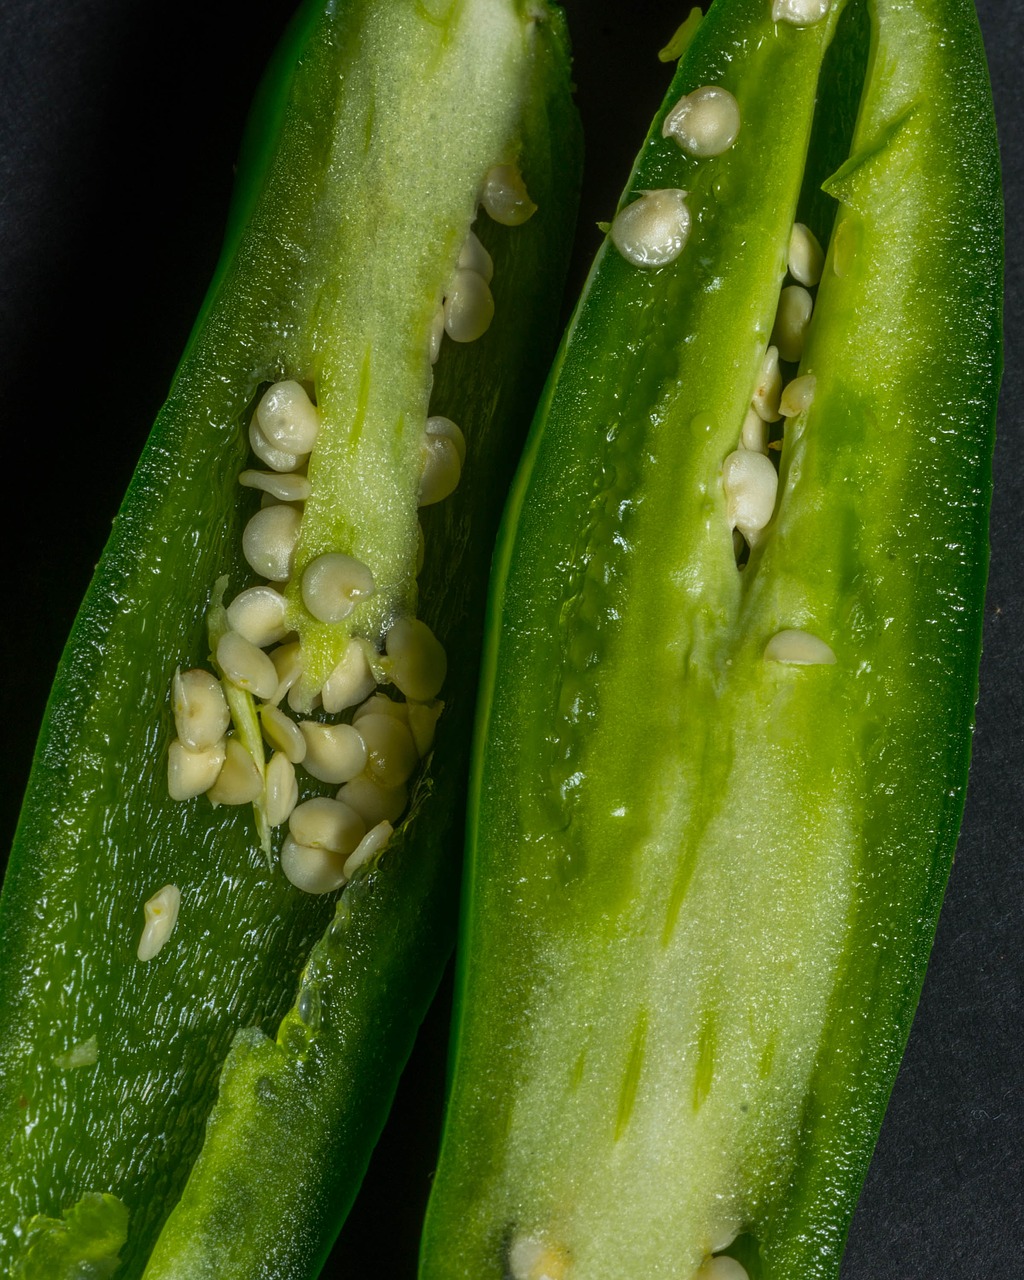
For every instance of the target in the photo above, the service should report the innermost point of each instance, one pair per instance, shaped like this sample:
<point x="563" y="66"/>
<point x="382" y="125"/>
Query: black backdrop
<point x="118" y="128"/>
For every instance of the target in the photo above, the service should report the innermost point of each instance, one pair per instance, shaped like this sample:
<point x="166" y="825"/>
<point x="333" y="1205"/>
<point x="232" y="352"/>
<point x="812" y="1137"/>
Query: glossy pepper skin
<point x="703" y="882"/>
<point x="109" y="1067"/>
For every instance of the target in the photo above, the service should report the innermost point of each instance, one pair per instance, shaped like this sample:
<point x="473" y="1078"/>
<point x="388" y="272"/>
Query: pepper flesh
<point x="383" y="120"/>
<point x="704" y="861"/>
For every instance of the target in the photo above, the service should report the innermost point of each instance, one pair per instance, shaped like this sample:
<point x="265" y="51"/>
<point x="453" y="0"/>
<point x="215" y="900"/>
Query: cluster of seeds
<point x="367" y="740"/>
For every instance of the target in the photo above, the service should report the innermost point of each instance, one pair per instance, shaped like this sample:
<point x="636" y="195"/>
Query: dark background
<point x="119" y="124"/>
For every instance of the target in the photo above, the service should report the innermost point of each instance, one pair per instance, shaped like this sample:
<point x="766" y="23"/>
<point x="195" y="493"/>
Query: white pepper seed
<point x="468" y="306"/>
<point x="792" y="321"/>
<point x="288" y="418"/>
<point x="504" y="196"/>
<point x="474" y="257"/>
<point x="161" y="912"/>
<point x="239" y="781"/>
<point x="754" y="435"/>
<point x="750" y="483"/>
<point x="257" y="613"/>
<point x="380" y="704"/>
<point x="442" y="453"/>
<point x="333" y="584"/>
<point x="334" y="752"/>
<point x="288" y="487"/>
<point x="392" y="754"/>
<point x="417" y="660"/>
<point x="373" y="802"/>
<point x="722" y="1268"/>
<point x="323" y="823"/>
<point x="282" y="789"/>
<point x="798" y="395"/>
<point x="653" y="230"/>
<point x="800" y="13"/>
<point x="190" y="773"/>
<point x="201" y="714"/>
<point x="375" y="840"/>
<point x="704" y="123"/>
<point x="270" y="455"/>
<point x="314" y="871"/>
<point x="798" y="648"/>
<point x="268" y="542"/>
<point x="769" y="387"/>
<point x="423" y="718"/>
<point x="246" y="666"/>
<point x="283" y="733"/>
<point x="352" y="679"/>
<point x="805" y="258"/>
<point x="287" y="660"/>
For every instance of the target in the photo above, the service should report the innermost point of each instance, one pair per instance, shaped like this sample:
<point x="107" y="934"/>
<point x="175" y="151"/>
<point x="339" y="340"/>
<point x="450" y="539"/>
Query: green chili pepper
<point x="381" y="134"/>
<point x="727" y="700"/>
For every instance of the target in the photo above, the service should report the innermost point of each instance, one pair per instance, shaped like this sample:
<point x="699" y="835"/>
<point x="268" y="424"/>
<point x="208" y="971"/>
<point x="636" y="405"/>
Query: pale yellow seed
<point x="282" y="789"/>
<point x="277" y="459"/>
<point x="798" y="395"/>
<point x="754" y="435"/>
<point x="799" y="648"/>
<point x="769" y="387"/>
<point x="334" y="752"/>
<point x="533" y="1259"/>
<point x="352" y="679"/>
<point x="323" y="823"/>
<point x="380" y="704"/>
<point x="190" y="773"/>
<point x="792" y="321"/>
<point x="161" y="912"/>
<point x="722" y="1268"/>
<point x="504" y="196"/>
<point x="417" y="661"/>
<point x="268" y="541"/>
<point x="750" y="482"/>
<point x="333" y="584"/>
<point x="283" y="733"/>
<point x="806" y="258"/>
<point x="246" y="666"/>
<point x="371" y="845"/>
<point x="288" y="418"/>
<point x="288" y="487"/>
<point x="258" y="614"/>
<point x="201" y="714"/>
<point x="468" y="306"/>
<point x="314" y="871"/>
<point x="474" y="257"/>
<point x="442" y="453"/>
<point x="423" y="718"/>
<point x="704" y="123"/>
<point x="652" y="231"/>
<point x="799" y="13"/>
<point x="287" y="660"/>
<point x="373" y="802"/>
<point x="392" y="754"/>
<point x="239" y="781"/>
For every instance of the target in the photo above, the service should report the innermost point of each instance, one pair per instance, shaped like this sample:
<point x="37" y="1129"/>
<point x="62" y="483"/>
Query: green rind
<point x="689" y="867"/>
<point x="98" y="834"/>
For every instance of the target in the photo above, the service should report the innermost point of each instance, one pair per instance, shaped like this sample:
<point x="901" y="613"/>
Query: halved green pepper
<point x="725" y="721"/>
<point x="378" y="134"/>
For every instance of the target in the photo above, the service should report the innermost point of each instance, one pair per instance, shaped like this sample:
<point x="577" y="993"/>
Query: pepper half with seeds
<point x="291" y="600"/>
<point x="728" y="693"/>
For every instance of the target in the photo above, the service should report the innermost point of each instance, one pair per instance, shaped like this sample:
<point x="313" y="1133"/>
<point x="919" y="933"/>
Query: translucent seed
<point x="474" y="257"/>
<point x="769" y="387"/>
<point x="288" y="418"/>
<point x="352" y="679"/>
<point x="283" y="733"/>
<point x="750" y="482"/>
<point x="323" y="823"/>
<point x="806" y="258"/>
<point x="246" y="666"/>
<point x="418" y="663"/>
<point x="257" y="613"/>
<point x="436" y="335"/>
<point x="239" y="781"/>
<point x="704" y="123"/>
<point x="334" y="752"/>
<point x="282" y="789"/>
<point x="333" y="584"/>
<point x="798" y="395"/>
<point x="442" y="454"/>
<point x="504" y="196"/>
<point x="653" y="230"/>
<point x="288" y="487"/>
<point x="311" y="870"/>
<point x="269" y="455"/>
<point x="723" y="1268"/>
<point x="423" y="718"/>
<point x="373" y="802"/>
<point x="798" y="648"/>
<point x="533" y="1259"/>
<point x="380" y="704"/>
<point x="754" y="435"/>
<point x="792" y="320"/>
<point x="161" y="916"/>
<point x="201" y="714"/>
<point x="372" y="843"/>
<point x="468" y="306"/>
<point x="190" y="773"/>
<point x="392" y="754"/>
<point x="801" y="13"/>
<point x="287" y="660"/>
<point x="268" y="542"/>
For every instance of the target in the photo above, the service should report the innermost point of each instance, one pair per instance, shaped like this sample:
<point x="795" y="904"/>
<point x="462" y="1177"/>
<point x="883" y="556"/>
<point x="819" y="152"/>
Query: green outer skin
<point x="702" y="885"/>
<point x="98" y="834"/>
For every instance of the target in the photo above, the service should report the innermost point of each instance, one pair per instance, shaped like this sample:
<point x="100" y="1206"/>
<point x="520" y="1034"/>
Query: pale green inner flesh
<point x="681" y="875"/>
